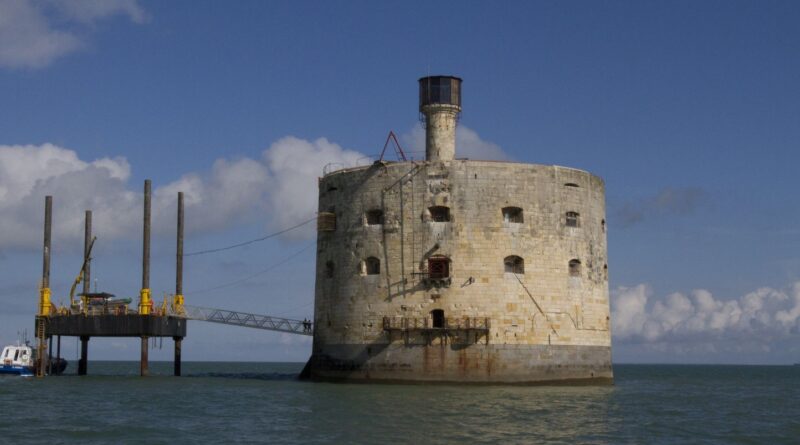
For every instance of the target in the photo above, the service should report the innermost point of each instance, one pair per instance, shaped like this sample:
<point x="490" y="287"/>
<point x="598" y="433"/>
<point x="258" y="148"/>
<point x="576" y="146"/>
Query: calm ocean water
<point x="263" y="403"/>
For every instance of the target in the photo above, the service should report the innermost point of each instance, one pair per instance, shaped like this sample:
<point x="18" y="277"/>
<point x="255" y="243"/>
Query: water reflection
<point x="450" y="414"/>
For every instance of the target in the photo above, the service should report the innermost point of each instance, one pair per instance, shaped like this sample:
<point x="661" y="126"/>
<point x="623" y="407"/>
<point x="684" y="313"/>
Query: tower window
<point x="438" y="268"/>
<point x="374" y="217"/>
<point x="437" y="317"/>
<point x="605" y="272"/>
<point x="603" y="224"/>
<point x="573" y="219"/>
<point x="571" y="184"/>
<point x="372" y="266"/>
<point x="329" y="268"/>
<point x="440" y="213"/>
<point x="514" y="264"/>
<point x="512" y="215"/>
<point x="574" y="268"/>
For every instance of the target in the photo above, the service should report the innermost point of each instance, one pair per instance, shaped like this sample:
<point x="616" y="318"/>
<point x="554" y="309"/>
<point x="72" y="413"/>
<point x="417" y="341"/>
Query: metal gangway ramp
<point x="244" y="319"/>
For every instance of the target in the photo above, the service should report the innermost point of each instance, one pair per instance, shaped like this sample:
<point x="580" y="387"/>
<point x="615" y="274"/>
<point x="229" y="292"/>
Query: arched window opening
<point x="603" y="224"/>
<point x="437" y="317"/>
<point x="438" y="268"/>
<point x="374" y="217"/>
<point x="440" y="213"/>
<point x="605" y="272"/>
<point x="512" y="215"/>
<point x="571" y="184"/>
<point x="573" y="219"/>
<point x="574" y="268"/>
<point x="514" y="264"/>
<point x="372" y="266"/>
<point x="329" y="268"/>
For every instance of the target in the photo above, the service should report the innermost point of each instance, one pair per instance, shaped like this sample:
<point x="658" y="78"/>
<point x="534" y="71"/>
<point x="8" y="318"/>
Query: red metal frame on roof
<point x="398" y="150"/>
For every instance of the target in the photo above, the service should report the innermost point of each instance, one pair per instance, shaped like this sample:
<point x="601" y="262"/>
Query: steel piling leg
<point x="178" y="341"/>
<point x="50" y="356"/>
<point x="83" y="363"/>
<point x="143" y="365"/>
<point x="58" y="349"/>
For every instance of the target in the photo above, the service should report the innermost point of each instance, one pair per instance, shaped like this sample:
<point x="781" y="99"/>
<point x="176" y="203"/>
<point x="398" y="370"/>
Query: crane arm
<point x="79" y="278"/>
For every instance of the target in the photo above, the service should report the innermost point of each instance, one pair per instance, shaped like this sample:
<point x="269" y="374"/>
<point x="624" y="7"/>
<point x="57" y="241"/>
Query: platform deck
<point x="128" y="325"/>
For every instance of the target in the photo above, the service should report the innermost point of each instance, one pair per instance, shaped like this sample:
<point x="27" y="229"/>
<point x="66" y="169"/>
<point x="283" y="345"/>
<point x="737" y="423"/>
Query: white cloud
<point x="468" y="145"/>
<point x="758" y="317"/>
<point x="280" y="188"/>
<point x="29" y="37"/>
<point x="89" y="11"/>
<point x="294" y="165"/>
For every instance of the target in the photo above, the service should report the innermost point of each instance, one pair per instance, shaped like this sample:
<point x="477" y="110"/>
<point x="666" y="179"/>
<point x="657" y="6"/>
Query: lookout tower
<point x="439" y="107"/>
<point x="460" y="270"/>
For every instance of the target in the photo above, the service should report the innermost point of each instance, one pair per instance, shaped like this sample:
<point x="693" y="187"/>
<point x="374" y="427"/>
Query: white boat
<point x="17" y="360"/>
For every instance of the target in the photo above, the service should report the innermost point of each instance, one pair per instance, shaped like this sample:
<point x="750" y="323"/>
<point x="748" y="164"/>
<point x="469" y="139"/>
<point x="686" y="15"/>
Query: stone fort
<point x="457" y="270"/>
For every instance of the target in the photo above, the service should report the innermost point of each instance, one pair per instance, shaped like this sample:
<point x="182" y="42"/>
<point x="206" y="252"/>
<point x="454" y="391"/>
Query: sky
<point x="688" y="110"/>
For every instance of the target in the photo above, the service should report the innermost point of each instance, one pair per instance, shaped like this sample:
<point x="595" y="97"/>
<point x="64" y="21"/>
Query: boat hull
<point x="24" y="371"/>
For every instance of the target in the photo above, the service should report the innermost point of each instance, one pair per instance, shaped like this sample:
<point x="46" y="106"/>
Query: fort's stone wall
<point x="547" y="322"/>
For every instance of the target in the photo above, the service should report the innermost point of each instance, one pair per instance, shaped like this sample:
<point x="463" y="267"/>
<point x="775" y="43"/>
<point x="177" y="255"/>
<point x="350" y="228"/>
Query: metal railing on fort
<point x="426" y="323"/>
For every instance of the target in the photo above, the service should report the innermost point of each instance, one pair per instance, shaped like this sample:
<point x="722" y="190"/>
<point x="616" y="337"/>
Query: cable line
<point x="241" y="280"/>
<point x="271" y="235"/>
<point x="294" y="309"/>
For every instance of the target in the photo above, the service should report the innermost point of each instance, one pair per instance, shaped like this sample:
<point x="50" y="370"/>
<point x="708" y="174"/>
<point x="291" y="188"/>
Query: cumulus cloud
<point x="701" y="320"/>
<point x="667" y="202"/>
<point x="294" y="165"/>
<point x="35" y="33"/>
<point x="279" y="188"/>
<point x="468" y="145"/>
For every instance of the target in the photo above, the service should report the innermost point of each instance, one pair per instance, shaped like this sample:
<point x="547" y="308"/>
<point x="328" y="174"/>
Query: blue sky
<point x="688" y="110"/>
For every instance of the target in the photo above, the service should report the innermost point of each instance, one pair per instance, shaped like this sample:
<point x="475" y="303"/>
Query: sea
<point x="264" y="403"/>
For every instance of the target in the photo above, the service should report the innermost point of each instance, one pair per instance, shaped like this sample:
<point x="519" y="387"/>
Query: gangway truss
<point x="244" y="319"/>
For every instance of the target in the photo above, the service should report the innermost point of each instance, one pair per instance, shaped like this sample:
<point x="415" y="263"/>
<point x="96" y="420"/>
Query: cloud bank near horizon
<point x="699" y="324"/>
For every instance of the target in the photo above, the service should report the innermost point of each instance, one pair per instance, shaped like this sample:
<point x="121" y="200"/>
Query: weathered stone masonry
<point x="462" y="271"/>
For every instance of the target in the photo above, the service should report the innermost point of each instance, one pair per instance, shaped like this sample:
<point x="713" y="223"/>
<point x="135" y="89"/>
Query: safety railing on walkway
<point x="244" y="319"/>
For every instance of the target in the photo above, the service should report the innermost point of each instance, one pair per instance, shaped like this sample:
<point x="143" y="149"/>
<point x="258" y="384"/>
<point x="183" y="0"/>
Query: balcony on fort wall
<point x="460" y="327"/>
